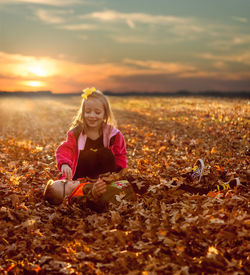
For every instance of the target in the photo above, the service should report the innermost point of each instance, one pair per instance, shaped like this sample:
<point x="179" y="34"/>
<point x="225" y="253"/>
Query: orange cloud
<point x="243" y="58"/>
<point x="21" y="72"/>
<point x="130" y="18"/>
<point x="60" y="76"/>
<point x="161" y="67"/>
<point x="49" y="17"/>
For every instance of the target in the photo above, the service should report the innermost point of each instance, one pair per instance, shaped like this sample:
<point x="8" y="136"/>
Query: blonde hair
<point x="51" y="195"/>
<point x="108" y="114"/>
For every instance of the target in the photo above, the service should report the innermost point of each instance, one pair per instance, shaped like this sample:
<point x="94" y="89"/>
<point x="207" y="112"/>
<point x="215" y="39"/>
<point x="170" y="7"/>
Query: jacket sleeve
<point x="66" y="152"/>
<point x="119" y="151"/>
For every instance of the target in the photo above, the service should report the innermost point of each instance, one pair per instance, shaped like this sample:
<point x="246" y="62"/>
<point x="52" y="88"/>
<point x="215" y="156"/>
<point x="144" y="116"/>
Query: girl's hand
<point x="66" y="171"/>
<point x="99" y="188"/>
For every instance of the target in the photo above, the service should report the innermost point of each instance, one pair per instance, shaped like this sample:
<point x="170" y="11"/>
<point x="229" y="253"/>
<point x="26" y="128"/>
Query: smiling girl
<point x="93" y="146"/>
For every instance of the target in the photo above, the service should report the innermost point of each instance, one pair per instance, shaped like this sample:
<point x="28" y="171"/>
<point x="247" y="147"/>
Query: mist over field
<point x="175" y="227"/>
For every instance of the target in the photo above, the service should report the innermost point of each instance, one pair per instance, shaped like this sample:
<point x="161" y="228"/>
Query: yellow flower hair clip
<point x="87" y="92"/>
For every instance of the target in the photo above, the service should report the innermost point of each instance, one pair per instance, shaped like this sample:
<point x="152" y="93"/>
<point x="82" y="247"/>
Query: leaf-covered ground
<point x="175" y="227"/>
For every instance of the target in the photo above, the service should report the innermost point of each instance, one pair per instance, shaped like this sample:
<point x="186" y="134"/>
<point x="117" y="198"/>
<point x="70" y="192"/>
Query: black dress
<point x="94" y="159"/>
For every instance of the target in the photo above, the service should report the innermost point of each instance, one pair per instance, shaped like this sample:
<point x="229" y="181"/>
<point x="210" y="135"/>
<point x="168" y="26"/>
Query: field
<point x="175" y="227"/>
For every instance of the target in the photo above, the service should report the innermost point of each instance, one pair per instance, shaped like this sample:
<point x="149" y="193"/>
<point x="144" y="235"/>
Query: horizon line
<point x="205" y="93"/>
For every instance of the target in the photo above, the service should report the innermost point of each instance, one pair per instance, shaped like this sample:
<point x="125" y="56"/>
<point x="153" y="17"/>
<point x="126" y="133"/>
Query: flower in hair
<point x="87" y="92"/>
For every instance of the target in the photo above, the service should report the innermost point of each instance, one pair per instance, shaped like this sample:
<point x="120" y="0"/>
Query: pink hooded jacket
<point x="68" y="151"/>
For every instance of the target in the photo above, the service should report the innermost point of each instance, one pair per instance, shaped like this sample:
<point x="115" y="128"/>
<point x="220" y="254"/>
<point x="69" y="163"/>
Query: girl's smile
<point x="94" y="113"/>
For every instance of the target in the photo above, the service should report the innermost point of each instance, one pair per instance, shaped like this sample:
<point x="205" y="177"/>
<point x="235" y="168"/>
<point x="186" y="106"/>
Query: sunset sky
<point x="134" y="45"/>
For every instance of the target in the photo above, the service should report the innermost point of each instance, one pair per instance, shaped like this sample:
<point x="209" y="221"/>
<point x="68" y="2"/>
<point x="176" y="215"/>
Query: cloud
<point x="111" y="15"/>
<point x="220" y="65"/>
<point x="51" y="17"/>
<point x="83" y="37"/>
<point x="163" y="82"/>
<point x="230" y="41"/>
<point x="240" y="19"/>
<point x="162" y="28"/>
<point x="20" y="66"/>
<point x="243" y="58"/>
<point x="241" y="39"/>
<point x="78" y="27"/>
<point x="165" y="29"/>
<point x="133" y="39"/>
<point x="132" y="18"/>
<point x="44" y="2"/>
<point x="161" y="67"/>
<point x="61" y="75"/>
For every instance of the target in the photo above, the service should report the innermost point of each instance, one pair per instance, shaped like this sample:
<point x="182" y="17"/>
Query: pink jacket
<point x="68" y="151"/>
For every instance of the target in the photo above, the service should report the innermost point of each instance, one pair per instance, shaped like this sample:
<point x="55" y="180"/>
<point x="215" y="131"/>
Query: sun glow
<point x="38" y="70"/>
<point x="34" y="83"/>
<point x="32" y="67"/>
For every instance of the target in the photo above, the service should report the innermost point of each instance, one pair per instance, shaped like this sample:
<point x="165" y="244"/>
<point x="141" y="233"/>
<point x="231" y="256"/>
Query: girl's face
<point x="94" y="113"/>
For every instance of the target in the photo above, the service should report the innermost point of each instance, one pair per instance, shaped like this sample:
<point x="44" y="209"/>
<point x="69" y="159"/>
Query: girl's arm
<point x="119" y="151"/>
<point x="67" y="151"/>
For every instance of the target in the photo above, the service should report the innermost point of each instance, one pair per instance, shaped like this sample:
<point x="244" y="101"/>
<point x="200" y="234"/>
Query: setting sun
<point x="34" y="83"/>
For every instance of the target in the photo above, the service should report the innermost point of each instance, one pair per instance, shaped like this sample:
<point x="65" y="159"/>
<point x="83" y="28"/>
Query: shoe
<point x="229" y="185"/>
<point x="198" y="170"/>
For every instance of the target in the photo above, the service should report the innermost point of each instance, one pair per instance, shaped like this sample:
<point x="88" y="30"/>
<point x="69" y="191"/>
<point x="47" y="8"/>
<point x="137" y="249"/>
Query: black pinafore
<point x="94" y="159"/>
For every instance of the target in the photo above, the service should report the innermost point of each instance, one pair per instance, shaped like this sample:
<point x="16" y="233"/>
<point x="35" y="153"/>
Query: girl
<point x="93" y="146"/>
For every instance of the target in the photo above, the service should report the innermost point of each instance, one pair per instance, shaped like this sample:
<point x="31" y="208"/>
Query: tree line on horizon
<point x="241" y="94"/>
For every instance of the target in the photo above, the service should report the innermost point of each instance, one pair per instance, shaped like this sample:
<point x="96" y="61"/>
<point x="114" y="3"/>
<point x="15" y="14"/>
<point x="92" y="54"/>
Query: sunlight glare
<point x="38" y="70"/>
<point x="212" y="251"/>
<point x="34" y="83"/>
<point x="33" y="67"/>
